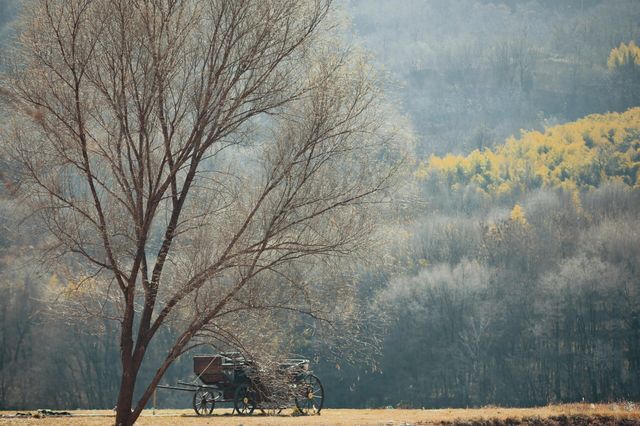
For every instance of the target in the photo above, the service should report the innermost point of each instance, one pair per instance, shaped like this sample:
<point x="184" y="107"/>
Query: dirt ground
<point x="573" y="414"/>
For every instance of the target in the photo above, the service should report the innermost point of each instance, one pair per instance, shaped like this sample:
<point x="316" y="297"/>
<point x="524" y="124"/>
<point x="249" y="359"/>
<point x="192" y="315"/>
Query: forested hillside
<point x="511" y="272"/>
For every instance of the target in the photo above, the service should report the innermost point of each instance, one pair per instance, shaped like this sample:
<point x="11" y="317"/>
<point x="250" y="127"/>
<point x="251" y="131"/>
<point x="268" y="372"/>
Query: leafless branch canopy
<point x="202" y="156"/>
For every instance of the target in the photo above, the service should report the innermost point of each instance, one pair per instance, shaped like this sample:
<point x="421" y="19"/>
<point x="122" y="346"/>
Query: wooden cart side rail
<point x="188" y="387"/>
<point x="175" y="388"/>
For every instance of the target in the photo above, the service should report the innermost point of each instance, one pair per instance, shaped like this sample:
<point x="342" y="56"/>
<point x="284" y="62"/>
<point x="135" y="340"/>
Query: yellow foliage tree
<point x="573" y="156"/>
<point x="624" y="65"/>
<point x="517" y="215"/>
<point x="624" y="55"/>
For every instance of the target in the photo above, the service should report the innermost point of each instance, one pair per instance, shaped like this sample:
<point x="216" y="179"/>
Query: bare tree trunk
<point x="125" y="396"/>
<point x="129" y="373"/>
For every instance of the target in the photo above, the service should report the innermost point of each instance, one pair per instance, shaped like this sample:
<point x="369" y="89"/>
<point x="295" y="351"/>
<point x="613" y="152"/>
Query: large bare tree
<point x="195" y="160"/>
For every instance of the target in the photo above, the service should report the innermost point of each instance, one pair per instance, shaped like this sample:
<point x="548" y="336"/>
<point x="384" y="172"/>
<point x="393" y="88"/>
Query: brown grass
<point x="571" y="414"/>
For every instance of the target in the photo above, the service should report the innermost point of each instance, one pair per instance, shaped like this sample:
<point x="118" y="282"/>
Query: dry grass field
<point x="571" y="414"/>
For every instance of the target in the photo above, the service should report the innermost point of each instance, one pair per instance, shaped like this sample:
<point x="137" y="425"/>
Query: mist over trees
<point x="511" y="270"/>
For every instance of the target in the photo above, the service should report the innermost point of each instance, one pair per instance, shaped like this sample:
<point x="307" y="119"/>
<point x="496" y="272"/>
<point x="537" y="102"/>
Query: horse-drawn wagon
<point x="229" y="377"/>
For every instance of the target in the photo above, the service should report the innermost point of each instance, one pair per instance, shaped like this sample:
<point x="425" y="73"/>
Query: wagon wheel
<point x="203" y="402"/>
<point x="244" y="400"/>
<point x="309" y="395"/>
